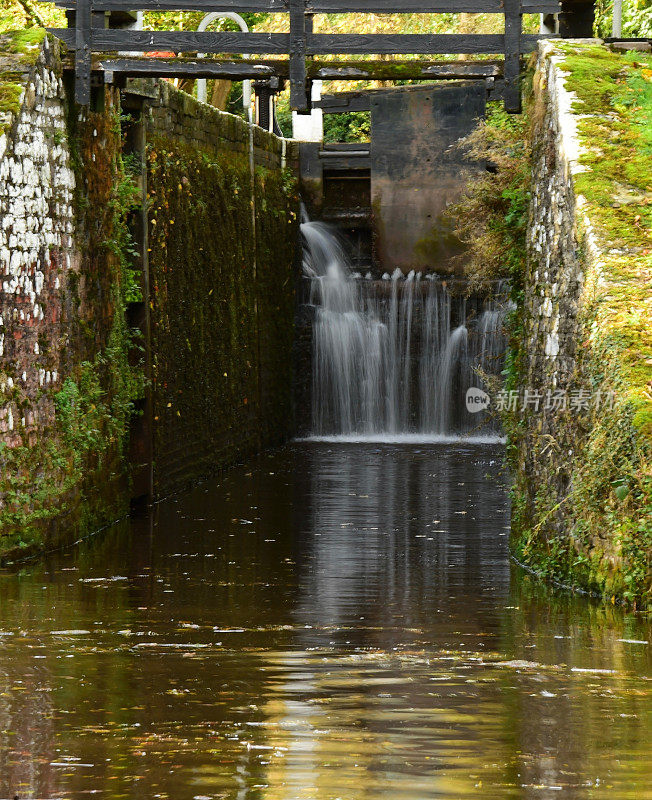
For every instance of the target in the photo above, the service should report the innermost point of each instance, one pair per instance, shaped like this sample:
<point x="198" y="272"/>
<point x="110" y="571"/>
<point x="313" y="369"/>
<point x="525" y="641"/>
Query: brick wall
<point x="222" y="291"/>
<point x="176" y="115"/>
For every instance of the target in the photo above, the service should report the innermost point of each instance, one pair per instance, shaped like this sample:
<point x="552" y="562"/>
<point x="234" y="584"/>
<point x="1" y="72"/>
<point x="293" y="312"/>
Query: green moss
<point x="27" y="42"/>
<point x="10" y="98"/>
<point x="439" y="244"/>
<point x="224" y="300"/>
<point x="24" y="46"/>
<point x="614" y="96"/>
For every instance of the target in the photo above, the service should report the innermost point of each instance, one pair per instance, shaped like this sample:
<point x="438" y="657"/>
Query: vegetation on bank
<point x="491" y="217"/>
<point x="613" y="488"/>
<point x="606" y="511"/>
<point x="636" y="18"/>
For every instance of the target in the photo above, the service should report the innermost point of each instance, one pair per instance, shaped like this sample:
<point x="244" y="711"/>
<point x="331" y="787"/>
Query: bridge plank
<point x="279" y="43"/>
<point x="325" y="70"/>
<point x="361" y="99"/>
<point x="257" y="6"/>
<point x="414" y="43"/>
<point x="424" y="7"/>
<point x="324" y="6"/>
<point x="408" y="70"/>
<point x="199" y="68"/>
<point x="183" y="41"/>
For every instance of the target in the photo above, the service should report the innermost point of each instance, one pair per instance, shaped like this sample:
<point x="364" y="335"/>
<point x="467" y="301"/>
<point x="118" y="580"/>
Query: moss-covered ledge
<point x="582" y="511"/>
<point x="19" y="52"/>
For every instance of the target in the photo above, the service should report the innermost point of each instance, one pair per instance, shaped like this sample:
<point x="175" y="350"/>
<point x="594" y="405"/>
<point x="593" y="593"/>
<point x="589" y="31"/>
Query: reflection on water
<point x="331" y="621"/>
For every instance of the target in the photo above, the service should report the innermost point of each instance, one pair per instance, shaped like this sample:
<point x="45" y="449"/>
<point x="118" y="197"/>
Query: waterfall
<point x="394" y="356"/>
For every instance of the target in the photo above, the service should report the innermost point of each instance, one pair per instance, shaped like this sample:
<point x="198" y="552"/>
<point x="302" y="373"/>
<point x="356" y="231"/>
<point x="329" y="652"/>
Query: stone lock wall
<point x="72" y="370"/>
<point x="65" y="381"/>
<point x="36" y="240"/>
<point x="582" y="497"/>
<point x="222" y="287"/>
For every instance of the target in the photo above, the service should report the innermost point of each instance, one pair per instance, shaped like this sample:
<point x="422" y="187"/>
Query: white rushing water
<point x="395" y="357"/>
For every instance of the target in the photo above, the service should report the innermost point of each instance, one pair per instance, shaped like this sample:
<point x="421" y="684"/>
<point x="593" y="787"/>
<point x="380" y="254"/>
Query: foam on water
<point x="402" y="438"/>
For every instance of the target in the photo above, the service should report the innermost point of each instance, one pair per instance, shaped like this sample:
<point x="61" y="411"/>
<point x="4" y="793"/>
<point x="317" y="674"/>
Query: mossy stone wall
<point x="222" y="290"/>
<point x="66" y="386"/>
<point x="222" y="300"/>
<point x="582" y="498"/>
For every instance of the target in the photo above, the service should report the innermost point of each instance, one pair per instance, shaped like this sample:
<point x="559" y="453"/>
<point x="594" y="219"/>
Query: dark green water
<point x="330" y="621"/>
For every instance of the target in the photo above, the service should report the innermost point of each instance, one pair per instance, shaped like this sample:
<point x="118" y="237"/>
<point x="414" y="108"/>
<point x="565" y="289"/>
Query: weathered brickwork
<point x="222" y="291"/>
<point x="222" y="303"/>
<point x="176" y="115"/>
<point x="553" y="294"/>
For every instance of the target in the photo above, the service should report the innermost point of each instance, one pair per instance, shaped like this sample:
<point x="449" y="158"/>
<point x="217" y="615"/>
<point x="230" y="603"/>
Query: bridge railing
<point x="90" y="35"/>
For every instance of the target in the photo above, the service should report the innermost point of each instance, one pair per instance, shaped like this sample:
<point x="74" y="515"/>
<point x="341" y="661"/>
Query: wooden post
<point x="298" y="98"/>
<point x="83" y="52"/>
<point x="513" y="21"/>
<point x="576" y="19"/>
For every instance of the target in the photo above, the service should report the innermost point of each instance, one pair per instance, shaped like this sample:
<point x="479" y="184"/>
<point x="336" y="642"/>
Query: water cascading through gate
<point x="394" y="357"/>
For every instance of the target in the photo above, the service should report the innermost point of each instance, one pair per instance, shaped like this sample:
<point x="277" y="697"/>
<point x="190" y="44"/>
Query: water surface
<point x="333" y="620"/>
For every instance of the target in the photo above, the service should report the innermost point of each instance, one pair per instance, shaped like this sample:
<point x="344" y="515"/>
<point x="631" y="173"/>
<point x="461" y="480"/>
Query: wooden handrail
<point x="90" y="35"/>
<point x="324" y="6"/>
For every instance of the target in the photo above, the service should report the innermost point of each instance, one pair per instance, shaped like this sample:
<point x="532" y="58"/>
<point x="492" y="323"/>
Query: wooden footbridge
<point x="97" y="35"/>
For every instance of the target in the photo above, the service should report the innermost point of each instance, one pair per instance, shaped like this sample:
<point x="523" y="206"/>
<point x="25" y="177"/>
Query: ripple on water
<point x="333" y="620"/>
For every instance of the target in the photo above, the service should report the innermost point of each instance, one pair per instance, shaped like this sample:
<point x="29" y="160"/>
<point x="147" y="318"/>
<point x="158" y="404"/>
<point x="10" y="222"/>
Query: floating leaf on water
<point x="594" y="671"/>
